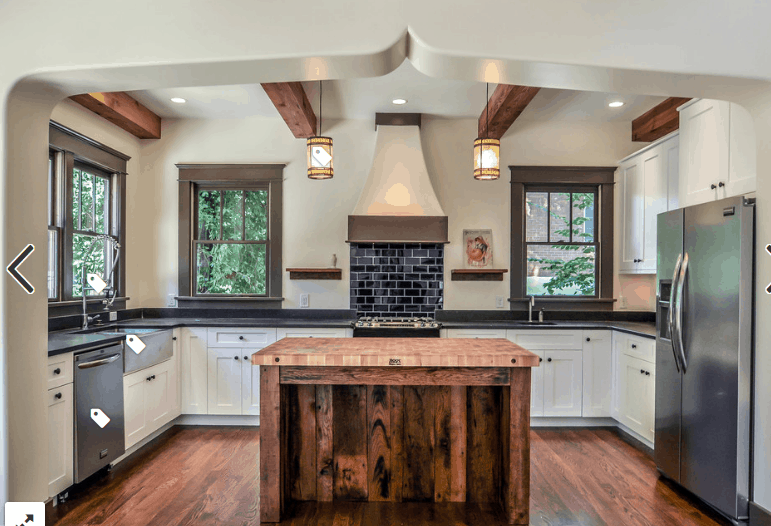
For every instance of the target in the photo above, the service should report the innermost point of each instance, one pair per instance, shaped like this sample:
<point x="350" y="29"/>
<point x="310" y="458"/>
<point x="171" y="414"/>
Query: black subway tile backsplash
<point x="397" y="279"/>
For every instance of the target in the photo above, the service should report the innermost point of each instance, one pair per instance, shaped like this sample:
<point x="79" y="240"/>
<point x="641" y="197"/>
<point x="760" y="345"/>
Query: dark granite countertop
<point x="65" y="341"/>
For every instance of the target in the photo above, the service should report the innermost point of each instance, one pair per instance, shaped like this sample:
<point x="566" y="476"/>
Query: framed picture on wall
<point x="478" y="247"/>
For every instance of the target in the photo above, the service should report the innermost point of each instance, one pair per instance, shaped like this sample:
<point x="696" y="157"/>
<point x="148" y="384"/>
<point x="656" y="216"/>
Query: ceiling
<point x="362" y="98"/>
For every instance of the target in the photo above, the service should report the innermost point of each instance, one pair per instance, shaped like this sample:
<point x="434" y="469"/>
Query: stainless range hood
<point x="398" y="203"/>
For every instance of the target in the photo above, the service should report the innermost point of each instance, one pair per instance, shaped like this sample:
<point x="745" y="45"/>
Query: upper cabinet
<point x="717" y="151"/>
<point x="648" y="185"/>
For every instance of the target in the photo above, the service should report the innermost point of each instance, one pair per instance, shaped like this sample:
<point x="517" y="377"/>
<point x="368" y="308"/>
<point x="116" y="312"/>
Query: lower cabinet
<point x="231" y="381"/>
<point x="193" y="364"/>
<point x="597" y="373"/>
<point x="562" y="383"/>
<point x="637" y="398"/>
<point x="150" y="400"/>
<point x="60" y="438"/>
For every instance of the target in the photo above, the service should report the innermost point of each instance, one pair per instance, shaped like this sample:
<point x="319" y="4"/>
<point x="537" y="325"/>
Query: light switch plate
<point x="499" y="302"/>
<point x="170" y="301"/>
<point x="623" y="302"/>
<point x="304" y="301"/>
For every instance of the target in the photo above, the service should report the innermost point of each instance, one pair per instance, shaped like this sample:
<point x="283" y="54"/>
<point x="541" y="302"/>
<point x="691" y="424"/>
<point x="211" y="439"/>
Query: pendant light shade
<point x="320" y="153"/>
<point x="487" y="152"/>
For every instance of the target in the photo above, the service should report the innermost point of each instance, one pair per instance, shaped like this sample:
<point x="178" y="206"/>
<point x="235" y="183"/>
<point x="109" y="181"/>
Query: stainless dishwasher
<point x="99" y="423"/>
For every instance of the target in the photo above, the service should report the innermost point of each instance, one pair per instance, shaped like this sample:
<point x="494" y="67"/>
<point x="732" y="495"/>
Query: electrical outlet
<point x="499" y="302"/>
<point x="170" y="301"/>
<point x="304" y="301"/>
<point x="622" y="300"/>
<point x="113" y="316"/>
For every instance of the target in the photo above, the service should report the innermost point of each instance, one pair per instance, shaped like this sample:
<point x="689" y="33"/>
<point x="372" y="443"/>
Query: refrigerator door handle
<point x="671" y="313"/>
<point x="679" y="313"/>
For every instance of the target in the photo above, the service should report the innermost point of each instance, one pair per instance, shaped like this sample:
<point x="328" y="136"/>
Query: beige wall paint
<point x="316" y="212"/>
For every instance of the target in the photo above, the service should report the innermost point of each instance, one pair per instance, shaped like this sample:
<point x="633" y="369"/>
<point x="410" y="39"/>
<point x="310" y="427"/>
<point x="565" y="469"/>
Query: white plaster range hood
<point x="398" y="203"/>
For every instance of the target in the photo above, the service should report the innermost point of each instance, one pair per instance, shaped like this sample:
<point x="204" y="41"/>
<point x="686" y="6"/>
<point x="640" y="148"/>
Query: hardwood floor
<point x="209" y="476"/>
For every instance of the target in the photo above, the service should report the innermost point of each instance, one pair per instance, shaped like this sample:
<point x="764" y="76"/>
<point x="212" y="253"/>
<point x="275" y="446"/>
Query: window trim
<point x="600" y="177"/>
<point x="70" y="147"/>
<point x="264" y="176"/>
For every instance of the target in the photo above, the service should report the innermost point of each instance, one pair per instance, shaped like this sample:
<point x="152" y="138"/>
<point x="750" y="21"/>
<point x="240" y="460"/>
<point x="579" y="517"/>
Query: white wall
<point x="316" y="212"/>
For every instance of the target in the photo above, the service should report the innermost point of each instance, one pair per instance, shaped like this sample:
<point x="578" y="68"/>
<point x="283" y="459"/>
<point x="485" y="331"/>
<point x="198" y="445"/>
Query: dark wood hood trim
<point x="397" y="229"/>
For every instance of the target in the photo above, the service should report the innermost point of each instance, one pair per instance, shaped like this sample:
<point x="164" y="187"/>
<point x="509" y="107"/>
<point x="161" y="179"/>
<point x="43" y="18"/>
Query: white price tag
<point x="98" y="416"/>
<point x="321" y="157"/>
<point x="96" y="282"/>
<point x="134" y="343"/>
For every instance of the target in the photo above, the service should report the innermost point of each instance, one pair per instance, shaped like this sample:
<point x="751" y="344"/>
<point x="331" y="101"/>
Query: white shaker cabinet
<point x="60" y="438"/>
<point x="193" y="366"/>
<point x="224" y="381"/>
<point x="150" y="400"/>
<point x="717" y="151"/>
<point x="597" y="365"/>
<point x="647" y="181"/>
<point x="637" y="395"/>
<point x="319" y="332"/>
<point x="562" y="383"/>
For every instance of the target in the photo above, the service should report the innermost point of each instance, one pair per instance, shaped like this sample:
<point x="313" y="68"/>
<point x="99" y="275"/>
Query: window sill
<point x="228" y="298"/>
<point x="566" y="303"/>
<point x="89" y="301"/>
<point x="229" y="302"/>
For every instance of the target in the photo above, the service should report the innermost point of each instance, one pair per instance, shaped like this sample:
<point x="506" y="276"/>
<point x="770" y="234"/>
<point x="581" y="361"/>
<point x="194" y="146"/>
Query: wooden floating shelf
<point x="474" y="274"/>
<point x="315" y="273"/>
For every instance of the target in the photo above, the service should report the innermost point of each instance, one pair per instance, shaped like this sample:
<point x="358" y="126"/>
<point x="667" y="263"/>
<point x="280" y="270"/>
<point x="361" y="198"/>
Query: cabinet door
<point x="134" y="414"/>
<point x="224" y="382"/>
<point x="250" y="385"/>
<point x="671" y="158"/>
<point x="649" y="412"/>
<point x="636" y="394"/>
<point x="193" y="371"/>
<point x="742" y="168"/>
<point x="536" y="386"/>
<point x="60" y="447"/>
<point x="159" y="399"/>
<point x="562" y="383"/>
<point x="632" y="212"/>
<point x="704" y="150"/>
<point x="596" y="374"/>
<point x="655" y="202"/>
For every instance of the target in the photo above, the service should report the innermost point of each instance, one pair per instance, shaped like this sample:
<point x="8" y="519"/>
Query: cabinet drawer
<point x="476" y="333"/>
<point x="546" y="339"/>
<point x="313" y="333"/>
<point x="642" y="348"/>
<point x="241" y="337"/>
<point x="59" y="370"/>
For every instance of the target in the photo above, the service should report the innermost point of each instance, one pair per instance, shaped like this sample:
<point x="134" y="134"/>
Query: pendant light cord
<point x="320" y="114"/>
<point x="487" y="104"/>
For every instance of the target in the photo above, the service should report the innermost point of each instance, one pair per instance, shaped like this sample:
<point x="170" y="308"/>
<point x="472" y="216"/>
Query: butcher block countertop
<point x="408" y="352"/>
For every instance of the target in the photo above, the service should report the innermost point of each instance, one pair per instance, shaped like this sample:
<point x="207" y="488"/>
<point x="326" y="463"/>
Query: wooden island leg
<point x="516" y="498"/>
<point x="271" y="483"/>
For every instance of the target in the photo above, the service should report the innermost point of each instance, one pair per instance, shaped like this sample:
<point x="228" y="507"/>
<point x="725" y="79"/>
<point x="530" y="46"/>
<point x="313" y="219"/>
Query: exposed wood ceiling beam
<point x="506" y="104"/>
<point x="124" y="112"/>
<point x="659" y="121"/>
<point x="293" y="105"/>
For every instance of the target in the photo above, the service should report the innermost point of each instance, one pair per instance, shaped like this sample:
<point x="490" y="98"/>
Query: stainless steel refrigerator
<point x="704" y="348"/>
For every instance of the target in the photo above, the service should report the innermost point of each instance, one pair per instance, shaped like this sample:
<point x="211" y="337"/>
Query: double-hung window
<point x="230" y="235"/>
<point x="86" y="199"/>
<point x="562" y="237"/>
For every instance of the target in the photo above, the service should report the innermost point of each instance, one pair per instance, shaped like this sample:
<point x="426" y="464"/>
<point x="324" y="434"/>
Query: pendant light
<point x="320" y="153"/>
<point x="487" y="152"/>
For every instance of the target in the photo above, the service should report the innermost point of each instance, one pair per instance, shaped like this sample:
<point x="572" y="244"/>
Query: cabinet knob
<point x="148" y="378"/>
<point x="634" y="346"/>
<point x="642" y="371"/>
<point x="174" y="338"/>
<point x="588" y="339"/>
<point x="540" y="360"/>
<point x="246" y="358"/>
<point x="548" y="359"/>
<point x="58" y="396"/>
<point x="57" y="371"/>
<point x="647" y="373"/>
<point x="712" y="186"/>
<point x="235" y="357"/>
<point x="241" y="338"/>
<point x="721" y="184"/>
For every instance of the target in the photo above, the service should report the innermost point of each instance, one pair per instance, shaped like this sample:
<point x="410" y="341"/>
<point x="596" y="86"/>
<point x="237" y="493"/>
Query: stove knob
<point x="369" y="324"/>
<point x="422" y="324"/>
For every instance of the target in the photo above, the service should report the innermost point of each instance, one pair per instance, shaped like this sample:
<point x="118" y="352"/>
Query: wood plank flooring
<point x="210" y="476"/>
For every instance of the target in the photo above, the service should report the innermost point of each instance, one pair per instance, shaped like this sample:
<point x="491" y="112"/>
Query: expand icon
<point x="768" y="287"/>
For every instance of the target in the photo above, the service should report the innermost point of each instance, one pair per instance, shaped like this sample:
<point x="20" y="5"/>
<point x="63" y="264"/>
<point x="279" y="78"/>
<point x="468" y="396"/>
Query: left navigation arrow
<point x="12" y="269"/>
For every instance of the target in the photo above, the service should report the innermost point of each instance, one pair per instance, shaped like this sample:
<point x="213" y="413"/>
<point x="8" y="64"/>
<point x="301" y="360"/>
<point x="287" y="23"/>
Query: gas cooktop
<point x="397" y="323"/>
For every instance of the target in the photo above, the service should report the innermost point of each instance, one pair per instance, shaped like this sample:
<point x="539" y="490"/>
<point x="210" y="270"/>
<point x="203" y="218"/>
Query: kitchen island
<point x="395" y="419"/>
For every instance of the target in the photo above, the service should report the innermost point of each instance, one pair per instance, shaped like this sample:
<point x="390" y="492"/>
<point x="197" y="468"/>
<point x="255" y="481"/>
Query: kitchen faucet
<point x="107" y="301"/>
<point x="530" y="305"/>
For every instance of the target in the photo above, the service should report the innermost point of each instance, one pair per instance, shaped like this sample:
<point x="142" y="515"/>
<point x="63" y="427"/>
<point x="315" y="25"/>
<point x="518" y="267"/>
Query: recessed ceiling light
<point x="399" y="101"/>
<point x="178" y="100"/>
<point x="616" y="104"/>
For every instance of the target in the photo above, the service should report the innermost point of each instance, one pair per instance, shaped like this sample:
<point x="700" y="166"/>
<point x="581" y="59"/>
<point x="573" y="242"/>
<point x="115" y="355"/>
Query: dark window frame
<point x="195" y="177"/>
<point x="524" y="178"/>
<point x="68" y="148"/>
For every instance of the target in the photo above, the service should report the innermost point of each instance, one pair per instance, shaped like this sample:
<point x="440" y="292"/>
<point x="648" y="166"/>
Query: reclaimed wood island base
<point x="395" y="419"/>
